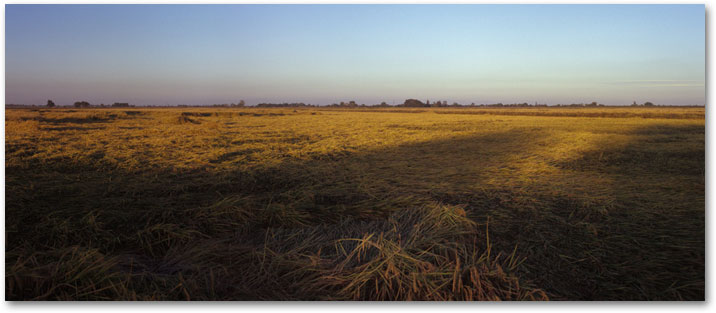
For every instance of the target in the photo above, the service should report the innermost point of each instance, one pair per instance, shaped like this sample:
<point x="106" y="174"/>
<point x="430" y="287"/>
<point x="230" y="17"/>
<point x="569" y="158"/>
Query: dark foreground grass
<point x="331" y="205"/>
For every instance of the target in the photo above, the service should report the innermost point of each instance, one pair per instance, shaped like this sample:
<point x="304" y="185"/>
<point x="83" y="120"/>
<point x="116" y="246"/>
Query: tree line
<point x="85" y="104"/>
<point x="412" y="103"/>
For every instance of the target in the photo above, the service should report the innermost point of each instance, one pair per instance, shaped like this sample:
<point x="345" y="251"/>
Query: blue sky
<point x="322" y="54"/>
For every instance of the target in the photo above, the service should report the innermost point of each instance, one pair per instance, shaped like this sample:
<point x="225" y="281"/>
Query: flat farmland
<point x="355" y="204"/>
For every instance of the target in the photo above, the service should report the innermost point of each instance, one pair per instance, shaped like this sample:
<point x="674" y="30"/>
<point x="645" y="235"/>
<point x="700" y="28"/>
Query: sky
<point x="323" y="54"/>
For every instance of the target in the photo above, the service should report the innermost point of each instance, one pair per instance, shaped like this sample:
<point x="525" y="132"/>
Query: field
<point x="341" y="204"/>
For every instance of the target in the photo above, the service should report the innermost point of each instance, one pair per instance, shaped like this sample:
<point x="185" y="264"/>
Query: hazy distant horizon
<point x="324" y="54"/>
<point x="397" y="103"/>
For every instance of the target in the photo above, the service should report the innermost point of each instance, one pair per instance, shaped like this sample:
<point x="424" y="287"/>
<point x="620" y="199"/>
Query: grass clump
<point x="430" y="253"/>
<point x="73" y="273"/>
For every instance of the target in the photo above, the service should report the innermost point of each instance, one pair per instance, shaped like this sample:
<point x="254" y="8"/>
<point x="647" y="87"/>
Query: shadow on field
<point x="651" y="239"/>
<point x="70" y="128"/>
<point x="265" y="233"/>
<point x="77" y="120"/>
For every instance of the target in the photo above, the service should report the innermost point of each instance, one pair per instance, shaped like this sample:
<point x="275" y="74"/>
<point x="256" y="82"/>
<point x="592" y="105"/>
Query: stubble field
<point x="340" y="204"/>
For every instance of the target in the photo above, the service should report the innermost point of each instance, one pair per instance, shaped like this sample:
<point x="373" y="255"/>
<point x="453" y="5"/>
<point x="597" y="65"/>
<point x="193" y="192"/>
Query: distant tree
<point x="82" y="104"/>
<point x="648" y="104"/>
<point x="634" y="104"/>
<point x="50" y="104"/>
<point x="242" y="103"/>
<point x="413" y="103"/>
<point x="120" y="105"/>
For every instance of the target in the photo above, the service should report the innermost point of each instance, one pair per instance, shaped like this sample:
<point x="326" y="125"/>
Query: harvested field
<point x="341" y="204"/>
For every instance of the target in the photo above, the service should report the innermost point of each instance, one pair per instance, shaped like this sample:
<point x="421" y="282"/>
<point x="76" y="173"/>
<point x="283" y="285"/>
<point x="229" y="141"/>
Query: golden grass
<point x="329" y="204"/>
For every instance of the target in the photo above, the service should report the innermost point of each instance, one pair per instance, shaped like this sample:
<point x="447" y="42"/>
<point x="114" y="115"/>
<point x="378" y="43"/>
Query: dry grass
<point x="326" y="204"/>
